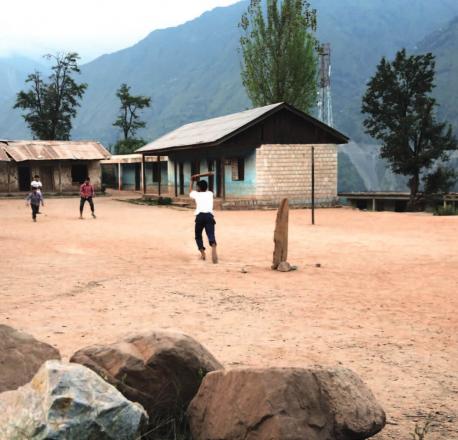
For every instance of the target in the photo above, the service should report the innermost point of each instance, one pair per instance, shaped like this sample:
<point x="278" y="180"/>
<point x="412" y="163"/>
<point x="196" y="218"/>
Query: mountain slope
<point x="192" y="71"/>
<point x="444" y="45"/>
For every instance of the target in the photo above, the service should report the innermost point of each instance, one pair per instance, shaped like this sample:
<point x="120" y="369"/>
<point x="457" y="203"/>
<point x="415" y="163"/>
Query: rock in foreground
<point x="161" y="370"/>
<point x="21" y="356"/>
<point x="284" y="404"/>
<point x="71" y="402"/>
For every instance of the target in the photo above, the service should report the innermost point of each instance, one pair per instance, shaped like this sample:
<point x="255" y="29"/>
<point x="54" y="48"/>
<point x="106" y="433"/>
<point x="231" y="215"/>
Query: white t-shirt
<point x="38" y="185"/>
<point x="204" y="201"/>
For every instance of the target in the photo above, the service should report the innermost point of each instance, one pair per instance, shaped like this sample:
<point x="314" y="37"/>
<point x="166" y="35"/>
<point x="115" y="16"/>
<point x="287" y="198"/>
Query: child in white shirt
<point x="37" y="185"/>
<point x="204" y="215"/>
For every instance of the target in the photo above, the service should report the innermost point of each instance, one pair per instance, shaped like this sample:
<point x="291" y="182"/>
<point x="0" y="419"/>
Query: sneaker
<point x="93" y="215"/>
<point x="214" y="254"/>
<point x="202" y="254"/>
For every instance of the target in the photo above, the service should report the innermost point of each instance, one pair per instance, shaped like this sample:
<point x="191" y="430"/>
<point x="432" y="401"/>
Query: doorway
<point x="211" y="179"/>
<point x="25" y="178"/>
<point x="181" y="173"/>
<point x="219" y="179"/>
<point x="47" y="178"/>
<point x="137" y="177"/>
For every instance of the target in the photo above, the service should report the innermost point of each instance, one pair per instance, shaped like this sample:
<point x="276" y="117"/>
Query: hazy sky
<point x="89" y="27"/>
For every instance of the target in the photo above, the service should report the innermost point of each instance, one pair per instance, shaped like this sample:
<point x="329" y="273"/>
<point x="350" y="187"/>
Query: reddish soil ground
<point x="384" y="301"/>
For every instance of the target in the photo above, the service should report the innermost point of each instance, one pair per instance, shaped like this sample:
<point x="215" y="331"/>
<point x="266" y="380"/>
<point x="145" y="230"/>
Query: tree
<point x="128" y="146"/>
<point x="279" y="60"/>
<point x="52" y="104"/>
<point x="401" y="114"/>
<point x="128" y="119"/>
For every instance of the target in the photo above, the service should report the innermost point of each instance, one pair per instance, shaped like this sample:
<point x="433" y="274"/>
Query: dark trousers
<point x="35" y="209"/>
<point x="83" y="201"/>
<point x="205" y="221"/>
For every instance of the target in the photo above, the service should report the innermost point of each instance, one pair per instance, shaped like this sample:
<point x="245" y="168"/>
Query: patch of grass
<point x="448" y="210"/>
<point x="162" y="201"/>
<point x="168" y="429"/>
<point x="421" y="431"/>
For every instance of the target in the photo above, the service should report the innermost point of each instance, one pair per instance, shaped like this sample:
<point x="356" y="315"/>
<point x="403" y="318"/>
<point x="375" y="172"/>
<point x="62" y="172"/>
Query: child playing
<point x="34" y="199"/>
<point x="87" y="192"/>
<point x="38" y="185"/>
<point x="204" y="214"/>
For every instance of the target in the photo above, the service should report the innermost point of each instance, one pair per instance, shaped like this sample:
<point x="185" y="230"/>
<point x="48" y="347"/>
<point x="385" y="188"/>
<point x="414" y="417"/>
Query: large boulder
<point x="21" y="356"/>
<point x="161" y="370"/>
<point x="284" y="404"/>
<point x="71" y="402"/>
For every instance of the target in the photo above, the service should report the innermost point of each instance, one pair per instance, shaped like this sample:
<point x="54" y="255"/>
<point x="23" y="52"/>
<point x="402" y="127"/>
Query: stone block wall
<point x="285" y="171"/>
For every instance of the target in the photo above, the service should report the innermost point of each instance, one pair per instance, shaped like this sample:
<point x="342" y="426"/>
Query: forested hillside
<point x="193" y="71"/>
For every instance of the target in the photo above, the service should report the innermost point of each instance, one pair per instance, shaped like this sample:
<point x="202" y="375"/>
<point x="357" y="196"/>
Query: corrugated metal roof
<point x="55" y="150"/>
<point x="216" y="130"/>
<point x="211" y="130"/>
<point x="3" y="156"/>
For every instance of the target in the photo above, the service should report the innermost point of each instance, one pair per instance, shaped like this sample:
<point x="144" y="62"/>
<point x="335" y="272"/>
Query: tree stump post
<point x="281" y="235"/>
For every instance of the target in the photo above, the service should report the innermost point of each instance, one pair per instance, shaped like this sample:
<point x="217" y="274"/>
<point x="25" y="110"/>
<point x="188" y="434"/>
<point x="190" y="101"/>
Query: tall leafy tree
<point x="400" y="113"/>
<point x="129" y="119"/>
<point x="278" y="48"/>
<point x="51" y="104"/>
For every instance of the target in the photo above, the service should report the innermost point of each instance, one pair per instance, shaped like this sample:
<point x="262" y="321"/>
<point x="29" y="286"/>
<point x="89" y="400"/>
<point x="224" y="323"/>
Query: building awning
<point x="3" y="156"/>
<point x="215" y="131"/>
<point x="22" y="151"/>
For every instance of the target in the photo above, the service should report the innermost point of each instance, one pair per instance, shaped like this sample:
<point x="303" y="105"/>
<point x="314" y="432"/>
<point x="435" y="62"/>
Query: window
<point x="195" y="167"/>
<point x="156" y="171"/>
<point x="238" y="168"/>
<point x="79" y="173"/>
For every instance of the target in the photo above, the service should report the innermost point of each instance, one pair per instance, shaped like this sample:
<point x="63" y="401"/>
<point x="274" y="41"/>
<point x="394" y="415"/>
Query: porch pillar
<point x="159" y="176"/>
<point x="60" y="176"/>
<point x="8" y="170"/>
<point x="176" y="177"/>
<point x="119" y="176"/>
<point x="373" y="205"/>
<point x="223" y="178"/>
<point x="313" y="185"/>
<point x="143" y="188"/>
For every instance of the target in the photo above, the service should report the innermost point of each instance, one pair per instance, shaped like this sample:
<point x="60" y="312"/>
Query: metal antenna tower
<point x="324" y="94"/>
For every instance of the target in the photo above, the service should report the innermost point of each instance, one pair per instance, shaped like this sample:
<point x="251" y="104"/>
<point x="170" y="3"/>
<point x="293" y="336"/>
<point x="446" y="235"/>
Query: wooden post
<point x="8" y="170"/>
<point x="175" y="166"/>
<point x="223" y="178"/>
<point x="119" y="177"/>
<point x="281" y="235"/>
<point x="313" y="185"/>
<point x="159" y="176"/>
<point x="143" y="174"/>
<point x="60" y="176"/>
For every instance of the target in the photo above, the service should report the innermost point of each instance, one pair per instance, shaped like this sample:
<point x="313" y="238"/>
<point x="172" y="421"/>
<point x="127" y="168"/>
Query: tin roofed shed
<point x="258" y="157"/>
<point x="61" y="165"/>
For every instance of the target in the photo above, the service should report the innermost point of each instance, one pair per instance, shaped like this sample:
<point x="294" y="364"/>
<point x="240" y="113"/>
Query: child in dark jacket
<point x="34" y="199"/>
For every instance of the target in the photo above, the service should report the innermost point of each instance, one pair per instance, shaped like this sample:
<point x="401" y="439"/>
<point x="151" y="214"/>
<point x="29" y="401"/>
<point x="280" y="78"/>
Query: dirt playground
<point x="384" y="301"/>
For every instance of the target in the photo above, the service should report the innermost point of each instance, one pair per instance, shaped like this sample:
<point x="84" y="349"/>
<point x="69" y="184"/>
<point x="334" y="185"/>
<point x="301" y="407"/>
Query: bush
<point x="164" y="201"/>
<point x="447" y="210"/>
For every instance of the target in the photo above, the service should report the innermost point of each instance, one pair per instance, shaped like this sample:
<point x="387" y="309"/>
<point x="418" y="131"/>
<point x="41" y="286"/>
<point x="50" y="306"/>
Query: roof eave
<point x="340" y="137"/>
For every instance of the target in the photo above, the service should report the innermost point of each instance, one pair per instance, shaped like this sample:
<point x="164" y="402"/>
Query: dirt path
<point x="384" y="301"/>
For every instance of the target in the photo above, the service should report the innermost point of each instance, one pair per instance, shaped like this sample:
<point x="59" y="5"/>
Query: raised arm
<point x="191" y="184"/>
<point x="195" y="177"/>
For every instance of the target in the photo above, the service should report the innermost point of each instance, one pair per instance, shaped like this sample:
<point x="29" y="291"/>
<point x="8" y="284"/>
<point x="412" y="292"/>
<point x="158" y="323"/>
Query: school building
<point x="61" y="165"/>
<point x="123" y="172"/>
<point x="259" y="156"/>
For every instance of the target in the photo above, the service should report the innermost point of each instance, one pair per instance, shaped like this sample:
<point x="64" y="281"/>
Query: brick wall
<point x="285" y="171"/>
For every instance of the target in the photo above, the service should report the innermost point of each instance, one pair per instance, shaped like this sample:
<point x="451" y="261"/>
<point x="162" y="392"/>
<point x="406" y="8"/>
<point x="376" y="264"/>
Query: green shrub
<point x="164" y="201"/>
<point x="447" y="210"/>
